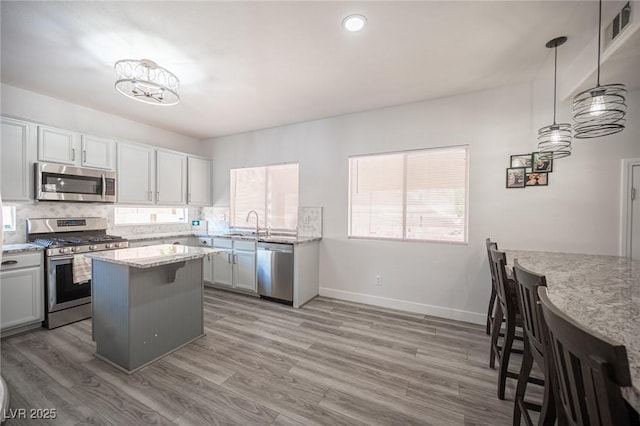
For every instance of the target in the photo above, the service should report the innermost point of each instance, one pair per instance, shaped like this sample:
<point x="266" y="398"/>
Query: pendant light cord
<point x="555" y="81"/>
<point x="599" y="39"/>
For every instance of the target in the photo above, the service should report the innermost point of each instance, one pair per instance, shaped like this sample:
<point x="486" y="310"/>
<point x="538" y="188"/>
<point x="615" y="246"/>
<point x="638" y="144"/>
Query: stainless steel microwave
<point x="57" y="182"/>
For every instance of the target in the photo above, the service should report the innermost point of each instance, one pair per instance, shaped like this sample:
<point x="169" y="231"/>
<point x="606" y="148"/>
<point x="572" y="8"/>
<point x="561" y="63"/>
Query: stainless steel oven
<point x="67" y="271"/>
<point x="57" y="182"/>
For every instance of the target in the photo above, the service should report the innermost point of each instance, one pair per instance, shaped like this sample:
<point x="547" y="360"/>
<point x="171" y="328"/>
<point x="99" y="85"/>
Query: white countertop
<point x="152" y="256"/>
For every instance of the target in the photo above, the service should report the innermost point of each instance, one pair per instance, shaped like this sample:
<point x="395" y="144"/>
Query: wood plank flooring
<point x="329" y="363"/>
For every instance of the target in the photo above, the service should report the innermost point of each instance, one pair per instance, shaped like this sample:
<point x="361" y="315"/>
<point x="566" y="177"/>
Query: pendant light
<point x="599" y="111"/>
<point x="554" y="141"/>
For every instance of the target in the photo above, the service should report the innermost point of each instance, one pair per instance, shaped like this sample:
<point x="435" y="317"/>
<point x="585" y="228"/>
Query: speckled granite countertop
<point x="600" y="292"/>
<point x="20" y="248"/>
<point x="152" y="256"/>
<point x="143" y="237"/>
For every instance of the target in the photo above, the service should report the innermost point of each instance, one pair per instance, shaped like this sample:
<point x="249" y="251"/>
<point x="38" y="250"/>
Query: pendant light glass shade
<point x="599" y="111"/>
<point x="554" y="141"/>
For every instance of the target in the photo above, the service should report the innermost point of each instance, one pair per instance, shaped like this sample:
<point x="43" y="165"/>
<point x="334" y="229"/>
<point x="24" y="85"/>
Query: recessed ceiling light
<point x="354" y="23"/>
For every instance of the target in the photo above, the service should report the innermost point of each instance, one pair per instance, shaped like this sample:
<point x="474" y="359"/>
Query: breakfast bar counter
<point x="147" y="302"/>
<point x="600" y="292"/>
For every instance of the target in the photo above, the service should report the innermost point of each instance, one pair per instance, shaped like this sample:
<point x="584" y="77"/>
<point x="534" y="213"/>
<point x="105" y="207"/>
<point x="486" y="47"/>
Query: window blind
<point x="412" y="195"/>
<point x="271" y="191"/>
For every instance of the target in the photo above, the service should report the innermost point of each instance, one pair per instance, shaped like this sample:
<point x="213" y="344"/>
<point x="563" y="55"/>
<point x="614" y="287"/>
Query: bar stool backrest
<point x="590" y="369"/>
<point x="492" y="245"/>
<point x="499" y="261"/>
<point x="527" y="283"/>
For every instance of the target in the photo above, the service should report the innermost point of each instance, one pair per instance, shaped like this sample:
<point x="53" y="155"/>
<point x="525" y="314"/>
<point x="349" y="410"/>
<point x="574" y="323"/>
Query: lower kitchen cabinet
<point x="237" y="267"/>
<point x="21" y="292"/>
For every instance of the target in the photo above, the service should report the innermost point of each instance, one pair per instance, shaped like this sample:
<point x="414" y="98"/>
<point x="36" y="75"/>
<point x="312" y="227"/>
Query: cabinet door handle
<point x="228" y="257"/>
<point x="235" y="258"/>
<point x="189" y="197"/>
<point x="84" y="156"/>
<point x="157" y="196"/>
<point x="150" y="195"/>
<point x="73" y="154"/>
<point x="10" y="262"/>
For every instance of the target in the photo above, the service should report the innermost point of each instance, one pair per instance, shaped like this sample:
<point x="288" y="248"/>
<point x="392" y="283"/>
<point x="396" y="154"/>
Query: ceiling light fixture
<point x="354" y="23"/>
<point x="145" y="81"/>
<point x="554" y="141"/>
<point x="599" y="111"/>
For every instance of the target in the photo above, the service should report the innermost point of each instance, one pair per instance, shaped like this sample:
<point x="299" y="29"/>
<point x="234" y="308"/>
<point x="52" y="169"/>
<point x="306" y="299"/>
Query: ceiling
<point x="250" y="65"/>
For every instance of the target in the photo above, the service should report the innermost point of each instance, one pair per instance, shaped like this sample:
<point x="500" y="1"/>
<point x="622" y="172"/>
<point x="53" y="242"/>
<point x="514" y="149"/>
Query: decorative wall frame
<point x="515" y="177"/>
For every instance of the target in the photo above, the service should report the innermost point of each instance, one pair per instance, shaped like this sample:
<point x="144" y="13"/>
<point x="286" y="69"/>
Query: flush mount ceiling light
<point x="554" y="141"/>
<point x="599" y="111"/>
<point x="146" y="81"/>
<point x="354" y="23"/>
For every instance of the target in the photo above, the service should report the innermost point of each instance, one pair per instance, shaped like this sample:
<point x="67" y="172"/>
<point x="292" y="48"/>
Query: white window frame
<point x="248" y="226"/>
<point x="10" y="213"/>
<point x="117" y="222"/>
<point x="404" y="198"/>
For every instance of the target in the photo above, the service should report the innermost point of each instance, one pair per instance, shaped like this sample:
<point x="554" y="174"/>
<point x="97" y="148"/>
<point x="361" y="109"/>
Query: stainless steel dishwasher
<point x="275" y="272"/>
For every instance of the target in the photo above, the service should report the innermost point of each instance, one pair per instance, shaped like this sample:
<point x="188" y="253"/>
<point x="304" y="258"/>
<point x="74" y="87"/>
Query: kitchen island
<point x="147" y="302"/>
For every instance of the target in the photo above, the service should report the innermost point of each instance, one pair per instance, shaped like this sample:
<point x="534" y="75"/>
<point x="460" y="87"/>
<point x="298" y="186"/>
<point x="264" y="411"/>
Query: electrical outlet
<point x="305" y="220"/>
<point x="378" y="280"/>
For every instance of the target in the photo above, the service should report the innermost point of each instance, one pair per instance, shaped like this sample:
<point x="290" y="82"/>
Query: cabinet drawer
<point x="244" y="245"/>
<point x="16" y="261"/>
<point x="222" y="243"/>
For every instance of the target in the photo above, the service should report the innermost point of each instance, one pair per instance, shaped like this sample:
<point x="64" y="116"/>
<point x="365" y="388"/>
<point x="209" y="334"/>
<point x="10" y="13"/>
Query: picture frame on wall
<point x="540" y="164"/>
<point x="515" y="177"/>
<point x="521" y="160"/>
<point x="537" y="179"/>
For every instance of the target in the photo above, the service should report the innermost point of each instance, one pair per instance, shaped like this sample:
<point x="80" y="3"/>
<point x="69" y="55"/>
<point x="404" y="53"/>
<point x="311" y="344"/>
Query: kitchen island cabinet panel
<point x="141" y="314"/>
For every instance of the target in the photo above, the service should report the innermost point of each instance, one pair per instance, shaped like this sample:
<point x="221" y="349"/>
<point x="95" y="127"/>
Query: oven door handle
<point x="54" y="259"/>
<point x="104" y="186"/>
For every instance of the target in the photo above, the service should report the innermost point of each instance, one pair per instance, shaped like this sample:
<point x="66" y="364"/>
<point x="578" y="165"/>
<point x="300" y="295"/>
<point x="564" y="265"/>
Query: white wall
<point x="43" y="109"/>
<point x="578" y="212"/>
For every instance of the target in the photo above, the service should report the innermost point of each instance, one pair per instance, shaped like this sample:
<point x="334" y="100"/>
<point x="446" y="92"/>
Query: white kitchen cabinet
<point x="237" y="267"/>
<point x="199" y="181"/>
<point x="136" y="174"/>
<point x="72" y="148"/>
<point x="244" y="270"/>
<point x="97" y="152"/>
<point x="58" y="145"/>
<point x="17" y="154"/>
<point x="171" y="178"/>
<point x="21" y="291"/>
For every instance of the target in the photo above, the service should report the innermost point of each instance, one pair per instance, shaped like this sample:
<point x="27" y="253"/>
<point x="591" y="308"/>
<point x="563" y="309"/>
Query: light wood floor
<point x="329" y="363"/>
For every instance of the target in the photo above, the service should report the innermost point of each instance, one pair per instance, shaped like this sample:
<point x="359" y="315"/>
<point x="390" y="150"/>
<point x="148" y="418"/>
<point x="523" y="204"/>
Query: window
<point x="8" y="218"/>
<point x="270" y="191"/>
<point x="150" y="215"/>
<point x="412" y="195"/>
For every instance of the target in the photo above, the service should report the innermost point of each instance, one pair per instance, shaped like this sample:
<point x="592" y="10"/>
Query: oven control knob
<point x="92" y="247"/>
<point x="117" y="244"/>
<point x="108" y="245"/>
<point x="74" y="249"/>
<point x="64" y="250"/>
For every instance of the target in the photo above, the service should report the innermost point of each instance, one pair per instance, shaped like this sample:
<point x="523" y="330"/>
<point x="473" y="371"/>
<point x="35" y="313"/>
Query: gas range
<point x="72" y="235"/>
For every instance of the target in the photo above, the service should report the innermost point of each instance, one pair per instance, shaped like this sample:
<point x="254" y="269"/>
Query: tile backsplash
<point x="217" y="217"/>
<point x="61" y="210"/>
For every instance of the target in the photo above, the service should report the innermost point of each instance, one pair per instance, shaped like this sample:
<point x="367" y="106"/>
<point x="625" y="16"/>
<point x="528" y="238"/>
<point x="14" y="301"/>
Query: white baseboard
<point x="403" y="305"/>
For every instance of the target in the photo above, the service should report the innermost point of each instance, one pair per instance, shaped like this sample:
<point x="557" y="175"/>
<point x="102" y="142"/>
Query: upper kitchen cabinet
<point x="17" y="156"/>
<point x="150" y="176"/>
<point x="136" y="174"/>
<point x="67" y="147"/>
<point x="171" y="178"/>
<point x="97" y="152"/>
<point x="57" y="145"/>
<point x="199" y="181"/>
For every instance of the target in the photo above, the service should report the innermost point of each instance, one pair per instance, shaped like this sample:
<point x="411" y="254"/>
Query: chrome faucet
<point x="256" y="213"/>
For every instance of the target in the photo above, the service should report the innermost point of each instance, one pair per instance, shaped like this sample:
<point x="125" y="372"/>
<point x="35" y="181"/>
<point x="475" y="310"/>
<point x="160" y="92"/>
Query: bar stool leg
<point x="509" y="333"/>
<point x="523" y="378"/>
<point x="495" y="334"/>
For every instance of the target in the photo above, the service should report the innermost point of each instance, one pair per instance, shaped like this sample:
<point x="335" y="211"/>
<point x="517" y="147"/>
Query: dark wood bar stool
<point x="506" y="308"/>
<point x="590" y="369"/>
<point x="527" y="283"/>
<point x="492" y="298"/>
